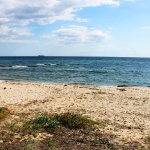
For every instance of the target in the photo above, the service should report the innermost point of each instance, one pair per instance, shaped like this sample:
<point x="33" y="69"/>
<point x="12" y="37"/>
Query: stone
<point x="17" y="137"/>
<point x="1" y="141"/>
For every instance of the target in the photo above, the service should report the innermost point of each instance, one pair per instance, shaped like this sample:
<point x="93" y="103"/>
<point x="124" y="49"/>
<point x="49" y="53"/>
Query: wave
<point x="24" y="66"/>
<point x="4" y="68"/>
<point x="51" y="64"/>
<point x="12" y="67"/>
<point x="47" y="64"/>
<point x="17" y="66"/>
<point x="41" y="65"/>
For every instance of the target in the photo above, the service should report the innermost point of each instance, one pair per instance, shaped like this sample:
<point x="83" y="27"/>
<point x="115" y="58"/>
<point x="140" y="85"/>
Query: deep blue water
<point x="77" y="70"/>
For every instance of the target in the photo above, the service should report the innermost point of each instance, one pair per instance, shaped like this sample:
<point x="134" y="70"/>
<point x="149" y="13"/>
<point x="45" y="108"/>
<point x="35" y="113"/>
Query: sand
<point x="125" y="109"/>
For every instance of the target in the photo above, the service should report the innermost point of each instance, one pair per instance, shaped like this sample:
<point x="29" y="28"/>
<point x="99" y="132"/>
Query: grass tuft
<point x="3" y="112"/>
<point x="42" y="121"/>
<point x="69" y="120"/>
<point x="75" y="121"/>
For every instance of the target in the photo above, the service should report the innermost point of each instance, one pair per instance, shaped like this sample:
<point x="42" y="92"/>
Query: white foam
<point x="19" y="66"/>
<point x="53" y="64"/>
<point x="40" y="64"/>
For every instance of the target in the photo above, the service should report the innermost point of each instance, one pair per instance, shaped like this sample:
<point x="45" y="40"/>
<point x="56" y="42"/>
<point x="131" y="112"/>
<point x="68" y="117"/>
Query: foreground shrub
<point x="69" y="120"/>
<point x="3" y="112"/>
<point x="75" y="121"/>
<point x="43" y="121"/>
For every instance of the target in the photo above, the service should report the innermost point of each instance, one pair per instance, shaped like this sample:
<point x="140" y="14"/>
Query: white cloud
<point x="9" y="34"/>
<point x="17" y="41"/>
<point x="77" y="35"/>
<point x="14" y="12"/>
<point x="130" y="0"/>
<point x="81" y="20"/>
<point x="111" y="28"/>
<point x="146" y="27"/>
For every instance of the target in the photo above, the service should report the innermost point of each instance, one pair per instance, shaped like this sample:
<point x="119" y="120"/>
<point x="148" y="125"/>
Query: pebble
<point x="15" y="117"/>
<point x="1" y="141"/>
<point x="17" y="137"/>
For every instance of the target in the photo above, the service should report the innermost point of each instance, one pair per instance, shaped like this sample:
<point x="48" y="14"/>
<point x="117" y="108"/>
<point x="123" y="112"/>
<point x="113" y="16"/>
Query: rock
<point x="123" y="86"/>
<point x="122" y="89"/>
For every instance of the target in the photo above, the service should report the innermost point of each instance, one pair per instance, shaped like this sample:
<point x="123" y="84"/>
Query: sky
<point x="75" y="28"/>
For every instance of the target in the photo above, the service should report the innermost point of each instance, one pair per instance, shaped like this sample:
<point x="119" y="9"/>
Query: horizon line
<point x="42" y="56"/>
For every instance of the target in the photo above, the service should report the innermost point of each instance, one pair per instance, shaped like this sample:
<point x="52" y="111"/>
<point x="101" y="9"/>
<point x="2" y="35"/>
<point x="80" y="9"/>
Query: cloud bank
<point x="17" y="15"/>
<point x="77" y="35"/>
<point x="43" y="12"/>
<point x="10" y="34"/>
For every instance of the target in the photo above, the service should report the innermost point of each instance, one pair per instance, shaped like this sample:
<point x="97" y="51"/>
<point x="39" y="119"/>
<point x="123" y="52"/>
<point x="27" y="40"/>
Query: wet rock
<point x="122" y="89"/>
<point x="123" y="85"/>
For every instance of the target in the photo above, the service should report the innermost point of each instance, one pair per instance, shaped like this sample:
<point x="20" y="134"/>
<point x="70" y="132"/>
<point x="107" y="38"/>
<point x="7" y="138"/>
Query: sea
<point x="101" y="71"/>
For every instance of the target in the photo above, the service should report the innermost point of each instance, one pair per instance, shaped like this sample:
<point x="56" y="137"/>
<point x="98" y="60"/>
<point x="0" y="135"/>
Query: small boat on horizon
<point x="41" y="56"/>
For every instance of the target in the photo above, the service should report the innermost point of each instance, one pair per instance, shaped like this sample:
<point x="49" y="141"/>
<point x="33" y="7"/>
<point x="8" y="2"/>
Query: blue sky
<point x="75" y="28"/>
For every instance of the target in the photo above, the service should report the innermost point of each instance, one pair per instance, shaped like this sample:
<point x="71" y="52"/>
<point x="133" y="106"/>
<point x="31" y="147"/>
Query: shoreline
<point x="125" y="109"/>
<point x="72" y="83"/>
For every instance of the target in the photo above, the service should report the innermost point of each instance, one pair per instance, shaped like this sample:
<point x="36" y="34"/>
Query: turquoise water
<point x="77" y="70"/>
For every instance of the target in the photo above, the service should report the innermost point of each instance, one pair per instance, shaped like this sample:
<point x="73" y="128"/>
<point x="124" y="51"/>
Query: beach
<point x="126" y="110"/>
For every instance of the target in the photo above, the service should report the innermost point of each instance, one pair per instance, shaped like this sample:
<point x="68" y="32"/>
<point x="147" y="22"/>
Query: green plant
<point x="31" y="144"/>
<point x="106" y="142"/>
<point x="3" y="112"/>
<point x="51" y="145"/>
<point x="75" y="121"/>
<point x="11" y="126"/>
<point x="53" y="123"/>
<point x="43" y="121"/>
<point x="69" y="120"/>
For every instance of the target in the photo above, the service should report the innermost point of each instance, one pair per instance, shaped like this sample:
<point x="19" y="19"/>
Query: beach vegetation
<point x="57" y="131"/>
<point x="75" y="121"/>
<point x="69" y="120"/>
<point x="13" y="127"/>
<point x="3" y="112"/>
<point x="42" y="121"/>
<point x="32" y="144"/>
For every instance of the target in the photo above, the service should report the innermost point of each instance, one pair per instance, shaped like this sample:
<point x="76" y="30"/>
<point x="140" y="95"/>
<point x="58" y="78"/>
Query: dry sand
<point x="125" y="109"/>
